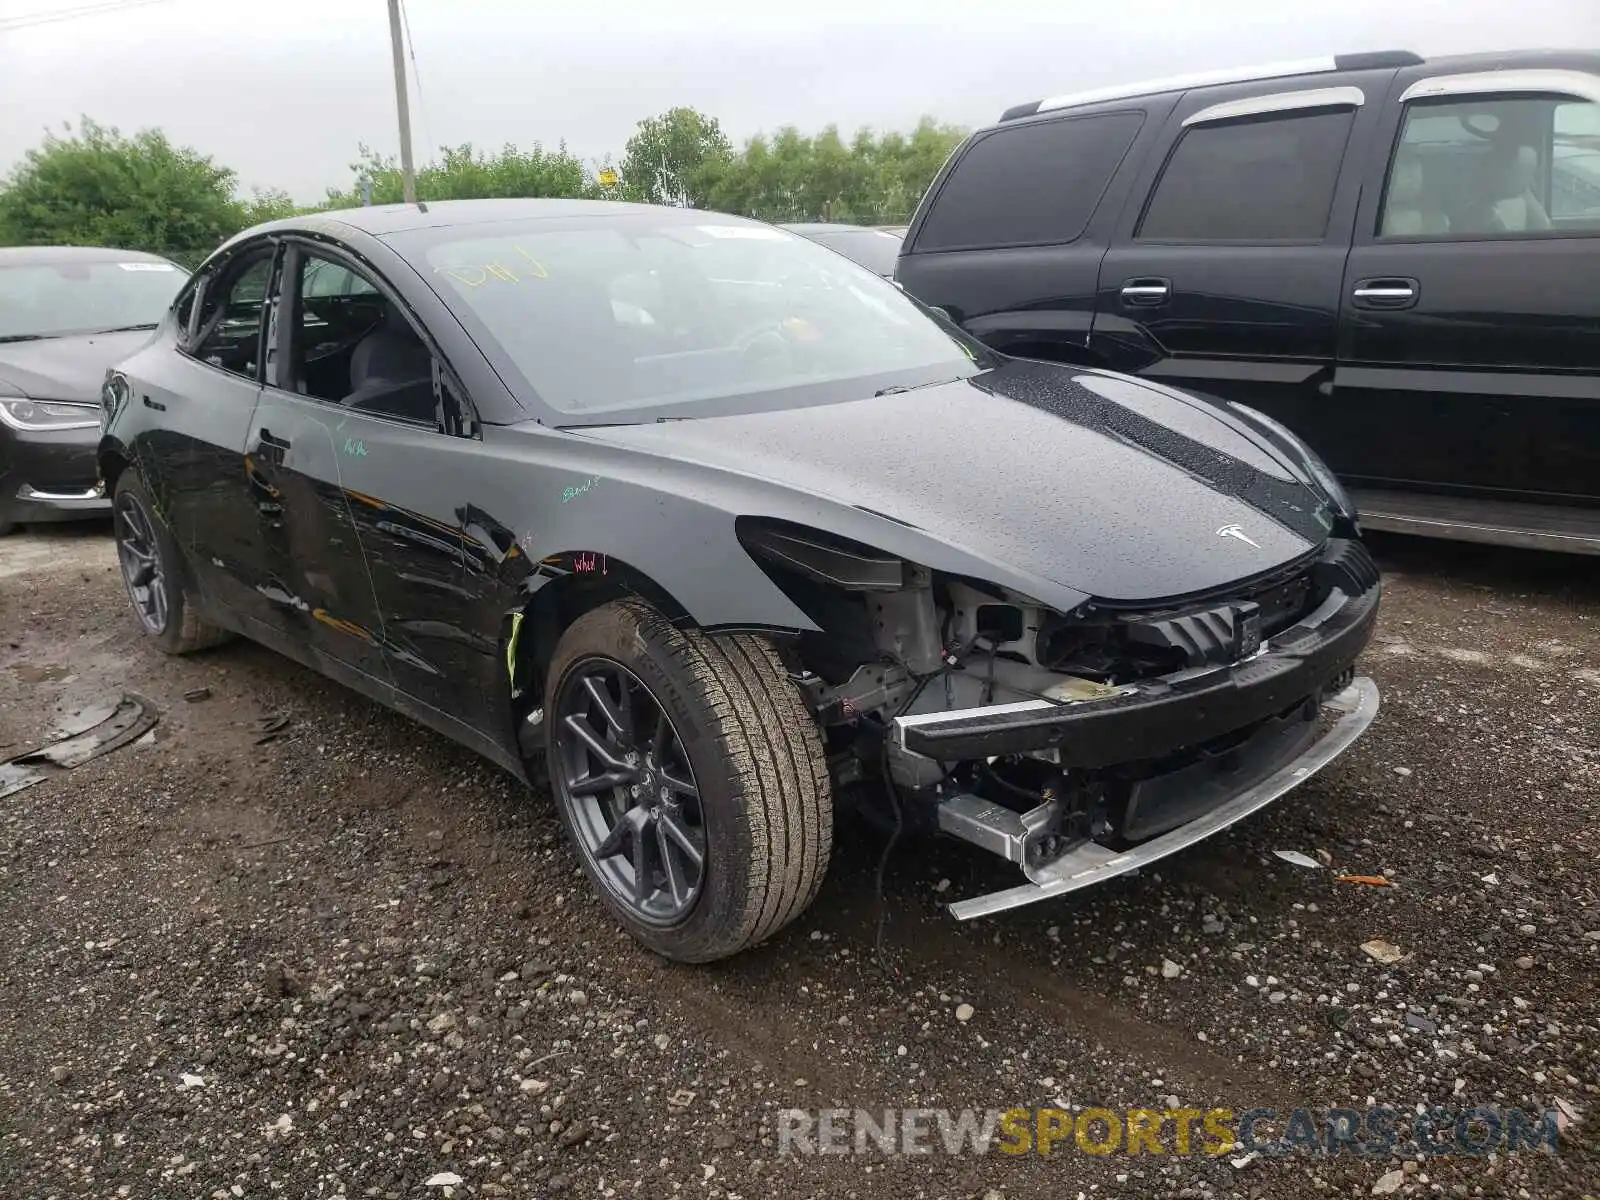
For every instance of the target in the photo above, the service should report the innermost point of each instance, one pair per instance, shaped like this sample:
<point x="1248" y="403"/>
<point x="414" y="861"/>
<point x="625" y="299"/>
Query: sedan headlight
<point x="1324" y="478"/>
<point x="48" y="416"/>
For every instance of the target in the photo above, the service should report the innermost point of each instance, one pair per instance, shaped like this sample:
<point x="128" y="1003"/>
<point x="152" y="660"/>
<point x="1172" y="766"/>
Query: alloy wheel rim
<point x="140" y="557"/>
<point x="625" y="782"/>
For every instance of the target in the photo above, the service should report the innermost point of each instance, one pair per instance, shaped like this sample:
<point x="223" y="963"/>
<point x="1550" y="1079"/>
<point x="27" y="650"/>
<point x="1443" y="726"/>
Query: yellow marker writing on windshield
<point x="474" y="275"/>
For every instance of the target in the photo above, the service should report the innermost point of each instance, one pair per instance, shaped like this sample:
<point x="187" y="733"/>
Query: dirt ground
<point x="356" y="959"/>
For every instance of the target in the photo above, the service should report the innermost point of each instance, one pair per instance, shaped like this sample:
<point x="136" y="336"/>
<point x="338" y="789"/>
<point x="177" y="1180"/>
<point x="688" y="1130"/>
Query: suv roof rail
<point x="1370" y="61"/>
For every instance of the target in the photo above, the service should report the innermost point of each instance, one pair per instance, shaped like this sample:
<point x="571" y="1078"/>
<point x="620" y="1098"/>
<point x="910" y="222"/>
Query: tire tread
<point x="771" y="743"/>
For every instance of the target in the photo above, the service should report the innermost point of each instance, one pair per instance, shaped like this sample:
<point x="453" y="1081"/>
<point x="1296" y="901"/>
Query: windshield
<point x="874" y="249"/>
<point x="52" y="299"/>
<point x="680" y="310"/>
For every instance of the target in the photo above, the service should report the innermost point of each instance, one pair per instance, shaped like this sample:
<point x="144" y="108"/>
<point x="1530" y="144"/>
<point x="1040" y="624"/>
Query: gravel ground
<point x="355" y="959"/>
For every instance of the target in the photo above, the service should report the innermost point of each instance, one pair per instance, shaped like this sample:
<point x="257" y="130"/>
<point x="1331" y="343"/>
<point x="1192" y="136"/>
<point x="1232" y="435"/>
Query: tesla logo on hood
<point x="1234" y="531"/>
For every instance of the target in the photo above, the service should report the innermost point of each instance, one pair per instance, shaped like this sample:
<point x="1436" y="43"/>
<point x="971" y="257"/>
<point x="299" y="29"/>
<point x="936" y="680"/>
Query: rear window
<point x="1260" y="180"/>
<point x="1028" y="184"/>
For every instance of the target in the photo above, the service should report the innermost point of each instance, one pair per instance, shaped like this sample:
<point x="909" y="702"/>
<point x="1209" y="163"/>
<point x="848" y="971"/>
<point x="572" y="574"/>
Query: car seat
<point x="391" y="371"/>
<point x="1411" y="208"/>
<point x="1503" y="192"/>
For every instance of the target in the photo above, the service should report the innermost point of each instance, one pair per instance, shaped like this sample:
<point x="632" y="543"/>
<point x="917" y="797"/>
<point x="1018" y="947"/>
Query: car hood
<point x="65" y="368"/>
<point x="1099" y="482"/>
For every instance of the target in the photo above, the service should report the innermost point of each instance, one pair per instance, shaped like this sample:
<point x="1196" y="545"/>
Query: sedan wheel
<point x="690" y="777"/>
<point x="140" y="556"/>
<point x="629" y="792"/>
<point x="153" y="570"/>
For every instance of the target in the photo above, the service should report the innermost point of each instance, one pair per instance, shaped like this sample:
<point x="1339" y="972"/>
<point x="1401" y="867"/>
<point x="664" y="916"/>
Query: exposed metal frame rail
<point x="1091" y="863"/>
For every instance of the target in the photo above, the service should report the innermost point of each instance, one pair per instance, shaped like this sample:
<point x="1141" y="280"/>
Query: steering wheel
<point x="765" y="342"/>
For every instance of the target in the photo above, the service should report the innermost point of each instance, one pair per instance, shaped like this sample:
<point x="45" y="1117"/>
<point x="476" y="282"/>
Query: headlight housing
<point x="1318" y="470"/>
<point x="47" y="416"/>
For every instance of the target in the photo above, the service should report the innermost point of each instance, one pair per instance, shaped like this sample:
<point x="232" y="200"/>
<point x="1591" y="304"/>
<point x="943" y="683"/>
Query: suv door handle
<point x="1385" y="293"/>
<point x="1147" y="292"/>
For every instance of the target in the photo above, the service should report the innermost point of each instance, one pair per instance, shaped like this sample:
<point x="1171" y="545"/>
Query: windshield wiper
<point x="911" y="387"/>
<point x="125" y="328"/>
<point x="27" y="337"/>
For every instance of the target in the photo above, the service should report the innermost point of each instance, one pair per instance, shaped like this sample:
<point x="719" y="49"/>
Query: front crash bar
<point x="1092" y="863"/>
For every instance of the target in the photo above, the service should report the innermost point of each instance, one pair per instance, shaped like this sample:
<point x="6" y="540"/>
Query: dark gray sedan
<point x="702" y="523"/>
<point x="67" y="313"/>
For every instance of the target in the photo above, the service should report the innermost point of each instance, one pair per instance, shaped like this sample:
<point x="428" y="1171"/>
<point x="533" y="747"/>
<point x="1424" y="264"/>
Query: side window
<point x="1575" y="165"/>
<point x="1494" y="166"/>
<point x="1263" y="179"/>
<point x="1028" y="184"/>
<point x="229" y="334"/>
<point x="355" y="348"/>
<point x="324" y="277"/>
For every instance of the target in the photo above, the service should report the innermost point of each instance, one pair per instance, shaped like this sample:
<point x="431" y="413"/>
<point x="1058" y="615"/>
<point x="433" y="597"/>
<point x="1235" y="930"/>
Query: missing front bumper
<point x="1091" y="863"/>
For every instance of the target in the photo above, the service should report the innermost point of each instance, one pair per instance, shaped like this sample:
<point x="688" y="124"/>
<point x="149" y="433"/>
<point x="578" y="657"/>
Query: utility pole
<point x="408" y="176"/>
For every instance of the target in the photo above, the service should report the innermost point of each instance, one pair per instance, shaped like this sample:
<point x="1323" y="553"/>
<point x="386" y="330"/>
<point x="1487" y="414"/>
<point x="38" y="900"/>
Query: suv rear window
<point x="1030" y="184"/>
<point x="1261" y="180"/>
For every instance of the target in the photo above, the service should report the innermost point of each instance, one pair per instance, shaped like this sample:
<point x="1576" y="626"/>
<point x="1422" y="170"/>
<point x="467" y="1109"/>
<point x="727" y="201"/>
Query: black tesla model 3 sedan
<point x="701" y="521"/>
<point x="66" y="314"/>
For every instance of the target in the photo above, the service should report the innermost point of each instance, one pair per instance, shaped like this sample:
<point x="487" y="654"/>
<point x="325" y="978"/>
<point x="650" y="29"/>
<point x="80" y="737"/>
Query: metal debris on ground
<point x="14" y="778"/>
<point x="1298" y="859"/>
<point x="195" y="695"/>
<point x="116" y="725"/>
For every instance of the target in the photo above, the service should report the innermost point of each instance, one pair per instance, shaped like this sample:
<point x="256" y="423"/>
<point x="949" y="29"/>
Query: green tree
<point x="269" y="205"/>
<point x="874" y="180"/>
<point x="676" y="158"/>
<point x="93" y="186"/>
<point x="465" y="173"/>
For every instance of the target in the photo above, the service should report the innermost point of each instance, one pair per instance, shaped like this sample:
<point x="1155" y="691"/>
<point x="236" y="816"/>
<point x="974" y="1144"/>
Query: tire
<point x="165" y="608"/>
<point x="739" y="734"/>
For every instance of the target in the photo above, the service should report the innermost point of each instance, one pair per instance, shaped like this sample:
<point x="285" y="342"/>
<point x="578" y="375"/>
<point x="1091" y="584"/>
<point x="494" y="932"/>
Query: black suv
<point x="1398" y="258"/>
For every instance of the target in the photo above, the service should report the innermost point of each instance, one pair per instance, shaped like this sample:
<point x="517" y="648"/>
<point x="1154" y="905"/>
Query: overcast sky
<point x="284" y="90"/>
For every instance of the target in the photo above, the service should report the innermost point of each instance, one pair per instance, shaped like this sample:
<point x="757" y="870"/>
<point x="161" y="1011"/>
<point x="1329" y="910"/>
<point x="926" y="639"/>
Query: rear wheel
<point x="690" y="777"/>
<point x="152" y="571"/>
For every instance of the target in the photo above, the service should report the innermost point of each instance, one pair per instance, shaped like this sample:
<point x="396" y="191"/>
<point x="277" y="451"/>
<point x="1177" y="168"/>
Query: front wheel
<point x="690" y="777"/>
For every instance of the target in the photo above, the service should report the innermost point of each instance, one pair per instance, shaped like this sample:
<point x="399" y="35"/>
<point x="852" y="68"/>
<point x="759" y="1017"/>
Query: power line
<point x="33" y="19"/>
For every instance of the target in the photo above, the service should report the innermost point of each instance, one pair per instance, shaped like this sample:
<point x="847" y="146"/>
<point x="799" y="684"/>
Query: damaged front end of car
<point x="1078" y="745"/>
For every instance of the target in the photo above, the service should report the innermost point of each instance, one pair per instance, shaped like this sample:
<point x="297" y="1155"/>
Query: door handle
<point x="1385" y="293"/>
<point x="1146" y="292"/>
<point x="155" y="404"/>
<point x="270" y="449"/>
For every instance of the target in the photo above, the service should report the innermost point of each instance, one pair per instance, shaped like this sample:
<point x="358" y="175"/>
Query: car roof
<point x="381" y="219"/>
<point x="1374" y="60"/>
<point x="28" y="256"/>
